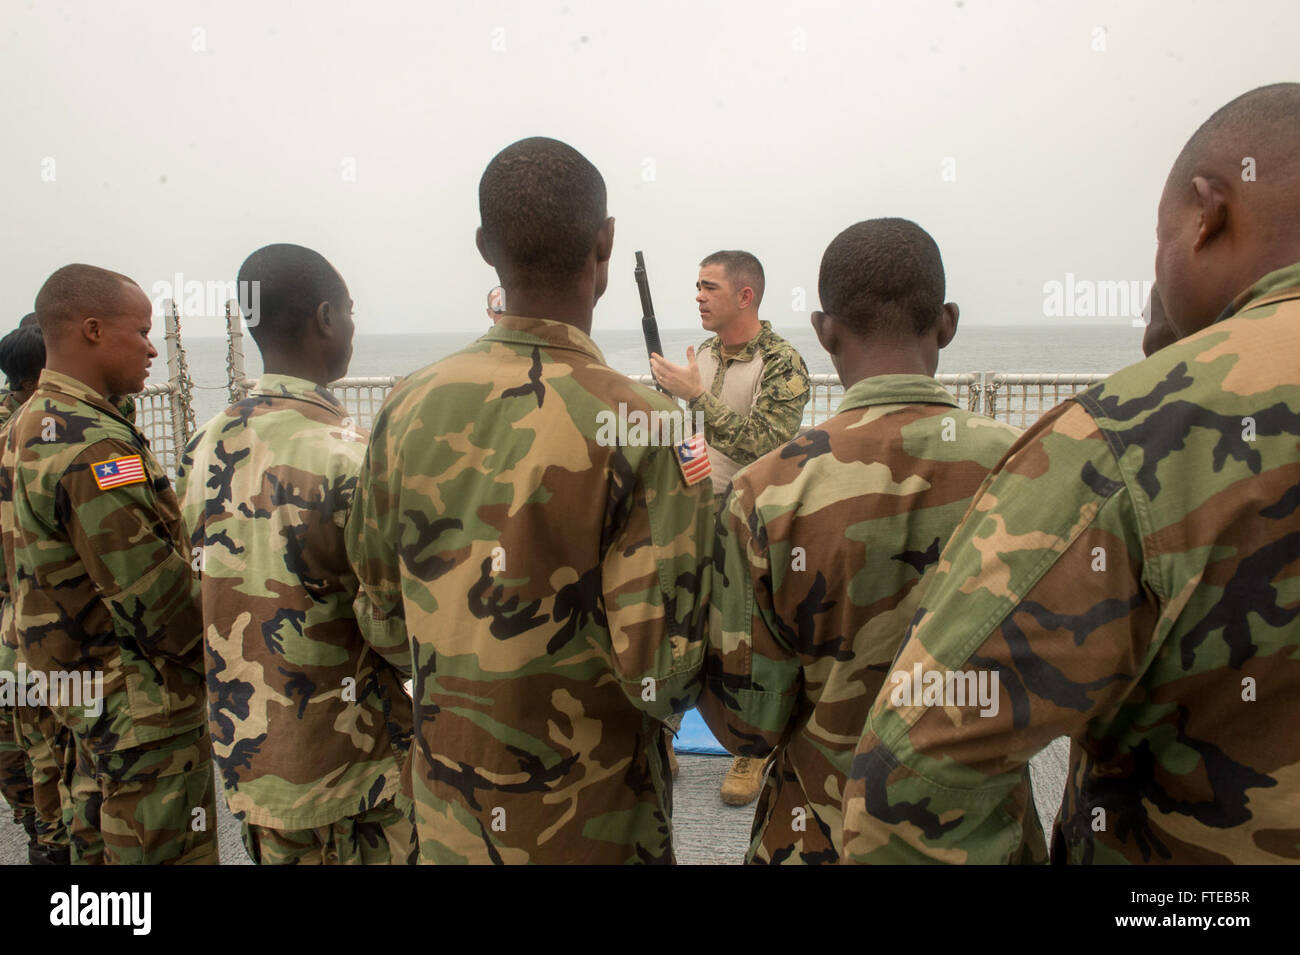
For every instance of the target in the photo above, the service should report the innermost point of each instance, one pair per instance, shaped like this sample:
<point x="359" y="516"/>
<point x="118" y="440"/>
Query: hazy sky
<point x="162" y="137"/>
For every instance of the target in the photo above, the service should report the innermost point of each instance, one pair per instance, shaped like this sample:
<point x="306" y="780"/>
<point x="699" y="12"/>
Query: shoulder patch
<point x="115" y="472"/>
<point x="693" y="459"/>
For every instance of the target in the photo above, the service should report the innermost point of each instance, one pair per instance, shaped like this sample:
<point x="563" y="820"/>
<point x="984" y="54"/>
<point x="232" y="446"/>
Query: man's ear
<point x="605" y="240"/>
<point x="482" y="247"/>
<point x="827" y="333"/>
<point x="324" y="320"/>
<point x="92" y="329"/>
<point x="1212" y="214"/>
<point x="746" y="297"/>
<point x="948" y="323"/>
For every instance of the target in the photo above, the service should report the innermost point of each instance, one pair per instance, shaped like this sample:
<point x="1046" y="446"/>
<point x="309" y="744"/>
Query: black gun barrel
<point x="649" y="327"/>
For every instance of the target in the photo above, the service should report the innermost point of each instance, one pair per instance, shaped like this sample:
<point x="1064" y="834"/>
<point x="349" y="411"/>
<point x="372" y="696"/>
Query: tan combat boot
<point x="743" y="780"/>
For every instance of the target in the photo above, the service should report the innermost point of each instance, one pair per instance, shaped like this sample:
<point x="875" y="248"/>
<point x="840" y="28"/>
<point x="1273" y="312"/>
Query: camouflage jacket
<point x="97" y="563"/>
<point x="8" y="405"/>
<point x="553" y="588"/>
<point x="1129" y="574"/>
<point x="766" y="416"/>
<point x="9" y="656"/>
<point x="308" y="724"/>
<point x="823" y="547"/>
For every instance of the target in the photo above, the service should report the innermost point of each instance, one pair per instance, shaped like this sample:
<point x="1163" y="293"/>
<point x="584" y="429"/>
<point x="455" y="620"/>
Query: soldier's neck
<point x="859" y="358"/>
<point x="305" y="366"/>
<point x="571" y="306"/>
<point x="741" y="330"/>
<point x="83" y="372"/>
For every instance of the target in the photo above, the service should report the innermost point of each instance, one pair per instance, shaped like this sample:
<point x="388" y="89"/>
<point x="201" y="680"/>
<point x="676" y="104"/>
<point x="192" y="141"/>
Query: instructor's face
<point x="715" y="298"/>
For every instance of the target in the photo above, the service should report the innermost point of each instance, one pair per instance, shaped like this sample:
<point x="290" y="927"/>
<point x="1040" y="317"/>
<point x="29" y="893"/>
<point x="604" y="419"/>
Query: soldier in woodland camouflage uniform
<point x="16" y="770"/>
<point x="42" y="746"/>
<point x="546" y="585"/>
<point x="824" y="542"/>
<point x="750" y="386"/>
<point x="1131" y="571"/>
<point x="98" y="569"/>
<point x="309" y="726"/>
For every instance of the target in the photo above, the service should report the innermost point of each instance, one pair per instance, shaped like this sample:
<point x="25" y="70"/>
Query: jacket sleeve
<point x="772" y="420"/>
<point x="655" y="579"/>
<point x="371" y="534"/>
<point x="131" y="541"/>
<point x="1040" y="614"/>
<point x="753" y="676"/>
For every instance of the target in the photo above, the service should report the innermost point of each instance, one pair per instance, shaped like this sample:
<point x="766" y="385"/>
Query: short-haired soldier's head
<point x="96" y="326"/>
<point x="22" y="356"/>
<point x="882" y="285"/>
<point x="545" y="229"/>
<point x="1230" y="210"/>
<point x="302" y="322"/>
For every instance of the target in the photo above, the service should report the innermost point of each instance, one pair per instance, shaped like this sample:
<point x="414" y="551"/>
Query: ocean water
<point x="1063" y="348"/>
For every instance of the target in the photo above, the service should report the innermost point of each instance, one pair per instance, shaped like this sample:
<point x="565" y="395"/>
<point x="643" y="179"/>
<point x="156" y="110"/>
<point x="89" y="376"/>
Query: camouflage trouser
<point x="384" y="835"/>
<point x="46" y="742"/>
<point x="15" y="771"/>
<point x="151" y="805"/>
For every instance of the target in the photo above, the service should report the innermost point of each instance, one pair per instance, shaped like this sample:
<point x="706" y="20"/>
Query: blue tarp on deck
<point x="696" y="738"/>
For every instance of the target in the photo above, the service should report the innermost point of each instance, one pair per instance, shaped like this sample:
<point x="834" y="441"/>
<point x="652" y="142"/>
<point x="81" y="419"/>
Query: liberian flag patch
<point x="693" y="458"/>
<point x="118" y="471"/>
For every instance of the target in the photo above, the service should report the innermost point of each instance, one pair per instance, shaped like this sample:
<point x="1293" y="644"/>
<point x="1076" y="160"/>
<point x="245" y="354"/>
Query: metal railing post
<point x="234" y="351"/>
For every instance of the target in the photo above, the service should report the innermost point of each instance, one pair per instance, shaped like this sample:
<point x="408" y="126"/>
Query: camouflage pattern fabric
<point x="9" y="403"/>
<point x="822" y="548"/>
<point x="777" y="411"/>
<point x="100" y="579"/>
<point x="46" y="744"/>
<point x="15" y="771"/>
<point x="98" y="565"/>
<point x="309" y="725"/>
<point x="546" y="587"/>
<point x="382" y="835"/>
<point x="153" y="804"/>
<point x="1130" y="574"/>
<point x="15" y="767"/>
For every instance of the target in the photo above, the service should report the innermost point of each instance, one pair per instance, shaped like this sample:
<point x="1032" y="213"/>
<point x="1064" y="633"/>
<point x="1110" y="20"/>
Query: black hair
<point x="280" y="288"/>
<point x="883" y="275"/>
<point x="22" y="355"/>
<point x="76" y="291"/>
<point x="542" y="204"/>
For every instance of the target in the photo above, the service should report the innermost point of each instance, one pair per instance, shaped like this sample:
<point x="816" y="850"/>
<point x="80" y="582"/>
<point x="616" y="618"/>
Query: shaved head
<point x="1230" y="212"/>
<point x="76" y="292"/>
<point x="1262" y="125"/>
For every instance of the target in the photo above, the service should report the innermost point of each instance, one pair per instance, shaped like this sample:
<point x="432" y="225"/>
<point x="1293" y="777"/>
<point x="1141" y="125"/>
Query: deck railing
<point x="1017" y="399"/>
<point x="164" y="412"/>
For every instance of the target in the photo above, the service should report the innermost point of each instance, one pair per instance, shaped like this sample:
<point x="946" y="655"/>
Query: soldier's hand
<point x="680" y="381"/>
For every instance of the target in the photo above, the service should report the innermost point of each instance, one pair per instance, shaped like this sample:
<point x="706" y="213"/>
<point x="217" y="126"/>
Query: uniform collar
<point x="72" y="388"/>
<point x="543" y="333"/>
<point x="751" y="347"/>
<point x="290" y="386"/>
<point x="896" y="390"/>
<point x="1277" y="286"/>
